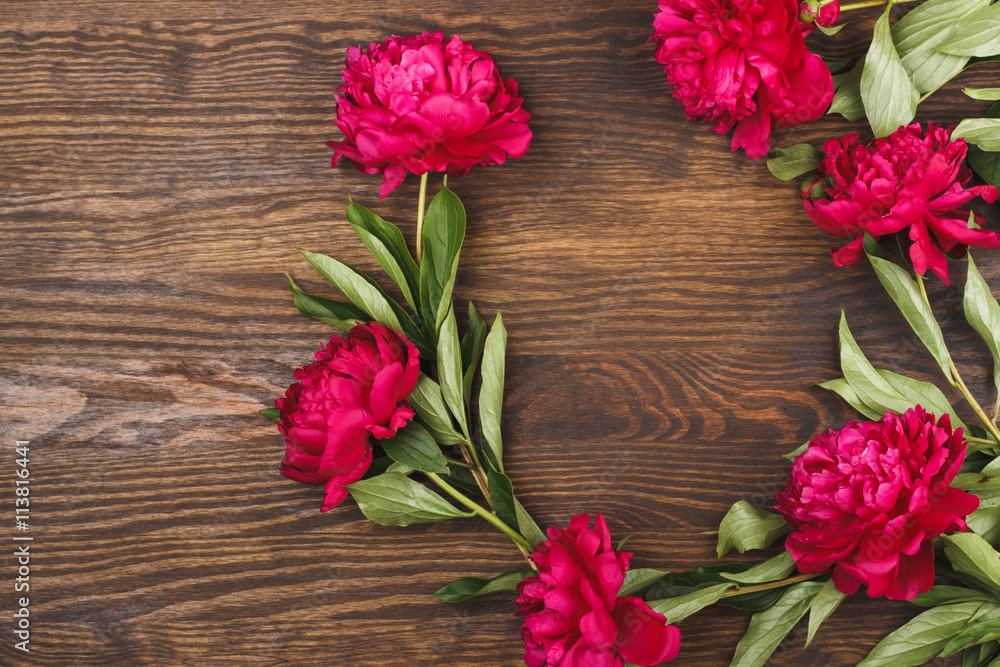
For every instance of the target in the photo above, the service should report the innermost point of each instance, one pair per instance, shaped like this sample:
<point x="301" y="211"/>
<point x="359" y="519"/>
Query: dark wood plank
<point x="669" y="305"/>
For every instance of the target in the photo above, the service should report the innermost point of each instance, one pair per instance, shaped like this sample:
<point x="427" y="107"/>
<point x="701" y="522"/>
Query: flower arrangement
<point x="403" y="414"/>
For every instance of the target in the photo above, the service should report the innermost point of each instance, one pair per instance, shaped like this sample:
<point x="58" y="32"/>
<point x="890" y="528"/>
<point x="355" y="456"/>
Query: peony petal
<point x="598" y="628"/>
<point x="645" y="637"/>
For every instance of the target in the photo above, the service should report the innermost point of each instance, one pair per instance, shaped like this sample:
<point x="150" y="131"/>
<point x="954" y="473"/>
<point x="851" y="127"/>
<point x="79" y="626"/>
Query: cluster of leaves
<point x="443" y="398"/>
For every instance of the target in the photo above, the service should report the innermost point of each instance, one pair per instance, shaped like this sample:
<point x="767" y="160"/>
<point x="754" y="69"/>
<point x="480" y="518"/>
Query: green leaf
<point x="987" y="489"/>
<point x="471" y="587"/>
<point x="987" y="163"/>
<point x="978" y="34"/>
<point x="870" y="387"/>
<point x="392" y="499"/>
<point x="502" y="497"/>
<point x="922" y="29"/>
<point x="472" y="350"/>
<point x="986" y="631"/>
<point x="428" y="403"/>
<point x="843" y="388"/>
<point x="392" y="240"/>
<point x="397" y="467"/>
<point x="774" y="569"/>
<point x="678" y="608"/>
<point x="986" y="523"/>
<point x="906" y="295"/>
<point x="923" y="637"/>
<point x="983" y="312"/>
<point x="924" y="394"/>
<point x="387" y="262"/>
<point x="769" y="627"/>
<point x="889" y="96"/>
<point x="794" y="161"/>
<point x="831" y="30"/>
<point x="991" y="94"/>
<point x="939" y="595"/>
<point x="360" y="292"/>
<point x="823" y="605"/>
<point x="835" y="64"/>
<point x="971" y="554"/>
<point x="443" y="233"/>
<point x="270" y="413"/>
<point x="847" y="96"/>
<point x="491" y="393"/>
<point x="449" y="354"/>
<point x="639" y="578"/>
<point x="415" y="447"/>
<point x="747" y="527"/>
<point x="344" y="316"/>
<point x="795" y="452"/>
<point x="527" y="527"/>
<point x="981" y="132"/>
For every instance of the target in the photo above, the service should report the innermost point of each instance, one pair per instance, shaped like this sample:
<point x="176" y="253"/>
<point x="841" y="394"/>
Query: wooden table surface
<point x="669" y="306"/>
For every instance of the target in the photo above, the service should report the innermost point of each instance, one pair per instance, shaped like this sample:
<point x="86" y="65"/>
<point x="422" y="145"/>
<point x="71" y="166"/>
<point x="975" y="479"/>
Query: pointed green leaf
<point x="769" y="627"/>
<point x="428" y="403"/>
<point x="823" y="605"/>
<point x="924" y="637"/>
<point x="831" y="30"/>
<point x="491" y="393"/>
<point x="978" y="34"/>
<point x="747" y="527"/>
<point x="983" y="312"/>
<point x="639" y="578"/>
<point x="924" y="394"/>
<point x="987" y="163"/>
<point x="774" y="569"/>
<point x="527" y="526"/>
<point x="415" y="447"/>
<point x="472" y="350"/>
<point x="387" y="262"/>
<point x="678" y="608"/>
<point x="886" y="90"/>
<point x="981" y="132"/>
<point x="392" y="239"/>
<point x="906" y="295"/>
<point x="344" y="316"/>
<point x="360" y="292"/>
<point x="471" y="587"/>
<point x="270" y="413"/>
<point x="443" y="233"/>
<point x="847" y="96"/>
<point x="986" y="631"/>
<point x="939" y="595"/>
<point x="795" y="452"/>
<point x="843" y="388"/>
<point x="392" y="499"/>
<point x="986" y="523"/>
<point x="991" y="94"/>
<point x="449" y="354"/>
<point x="971" y="554"/>
<point x="502" y="497"/>
<point x="870" y="387"/>
<point x="794" y="161"/>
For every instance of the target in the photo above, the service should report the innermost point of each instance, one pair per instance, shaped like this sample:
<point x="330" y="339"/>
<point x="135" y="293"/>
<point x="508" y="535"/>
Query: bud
<point x="809" y="10"/>
<point x="813" y="187"/>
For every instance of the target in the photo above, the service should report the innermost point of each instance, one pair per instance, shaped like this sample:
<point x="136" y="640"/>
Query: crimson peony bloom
<point x="417" y="104"/>
<point x="572" y="615"/>
<point x="907" y="179"/>
<point x="356" y="388"/>
<point x="742" y="64"/>
<point x="868" y="499"/>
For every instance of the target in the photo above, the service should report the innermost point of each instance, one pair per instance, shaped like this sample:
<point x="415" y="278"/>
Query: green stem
<point x="860" y="5"/>
<point x="480" y="511"/>
<point x="773" y="584"/>
<point x="958" y="382"/>
<point x="420" y="216"/>
<point x="996" y="409"/>
<point x="931" y="92"/>
<point x="456" y="462"/>
<point x="979" y="441"/>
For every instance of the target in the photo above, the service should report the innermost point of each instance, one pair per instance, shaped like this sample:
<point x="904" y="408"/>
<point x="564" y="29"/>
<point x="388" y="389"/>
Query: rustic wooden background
<point x="669" y="307"/>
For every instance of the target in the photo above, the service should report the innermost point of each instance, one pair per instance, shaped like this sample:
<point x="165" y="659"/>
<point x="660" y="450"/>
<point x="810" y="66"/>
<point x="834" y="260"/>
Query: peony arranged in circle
<point x="572" y="615"/>
<point x="908" y="179"/>
<point x="418" y="104"/>
<point x="356" y="389"/>
<point x="742" y="64"/>
<point x="868" y="499"/>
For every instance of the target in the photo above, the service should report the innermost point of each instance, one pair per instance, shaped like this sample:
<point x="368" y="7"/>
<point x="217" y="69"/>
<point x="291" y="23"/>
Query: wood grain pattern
<point x="668" y="302"/>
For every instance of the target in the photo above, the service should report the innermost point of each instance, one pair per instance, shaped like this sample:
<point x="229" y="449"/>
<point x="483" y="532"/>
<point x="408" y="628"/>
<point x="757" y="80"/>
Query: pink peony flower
<point x="572" y="615"/>
<point x="868" y="499"/>
<point x="742" y="64"/>
<point x="907" y="179"/>
<point x="417" y="104"/>
<point x="356" y="388"/>
<point x="813" y="13"/>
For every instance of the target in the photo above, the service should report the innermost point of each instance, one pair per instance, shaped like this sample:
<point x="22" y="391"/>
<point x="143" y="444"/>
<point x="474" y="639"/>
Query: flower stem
<point x="773" y="584"/>
<point x="957" y="382"/>
<point x="861" y="5"/>
<point x="480" y="511"/>
<point x="456" y="462"/>
<point x="420" y="216"/>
